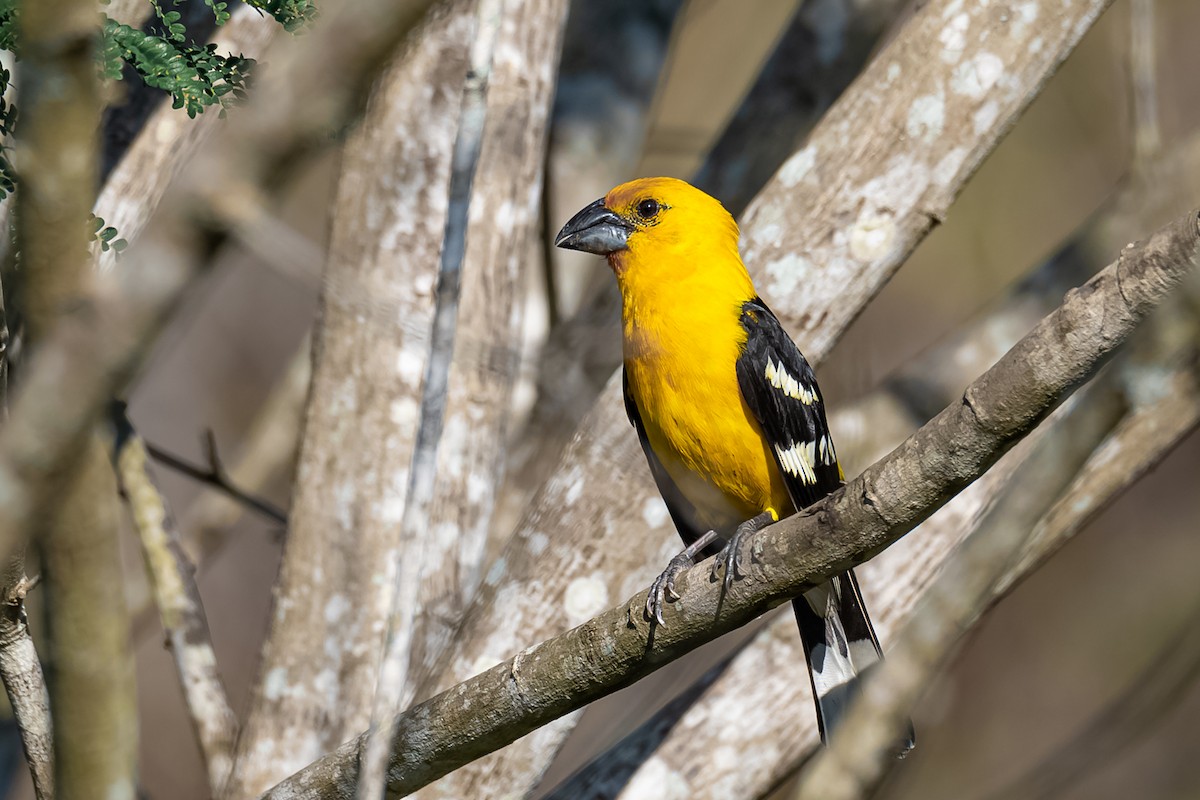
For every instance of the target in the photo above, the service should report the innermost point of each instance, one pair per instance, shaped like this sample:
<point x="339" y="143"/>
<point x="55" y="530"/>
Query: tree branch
<point x="89" y="665"/>
<point x="863" y="749"/>
<point x="369" y="353"/>
<point x="25" y="684"/>
<point x="872" y="511"/>
<point x="392" y="685"/>
<point x="214" y="475"/>
<point x="179" y="605"/>
<point x="487" y="347"/>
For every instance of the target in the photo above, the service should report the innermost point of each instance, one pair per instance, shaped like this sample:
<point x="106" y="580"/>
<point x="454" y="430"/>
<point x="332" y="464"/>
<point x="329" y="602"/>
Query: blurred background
<point x="650" y="87"/>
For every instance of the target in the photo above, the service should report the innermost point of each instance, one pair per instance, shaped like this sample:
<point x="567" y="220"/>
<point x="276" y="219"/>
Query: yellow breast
<point x="681" y="363"/>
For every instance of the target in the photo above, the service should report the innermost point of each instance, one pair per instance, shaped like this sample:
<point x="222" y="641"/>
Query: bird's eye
<point x="647" y="208"/>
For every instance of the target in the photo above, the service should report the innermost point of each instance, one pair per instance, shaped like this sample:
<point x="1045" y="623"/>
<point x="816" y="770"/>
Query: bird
<point x="726" y="408"/>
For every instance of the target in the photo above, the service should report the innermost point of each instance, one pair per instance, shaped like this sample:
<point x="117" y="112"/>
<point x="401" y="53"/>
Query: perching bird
<point x="727" y="409"/>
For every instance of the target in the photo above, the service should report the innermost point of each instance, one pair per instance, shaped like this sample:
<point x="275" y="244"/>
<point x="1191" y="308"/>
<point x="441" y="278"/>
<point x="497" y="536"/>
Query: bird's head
<point x="659" y="221"/>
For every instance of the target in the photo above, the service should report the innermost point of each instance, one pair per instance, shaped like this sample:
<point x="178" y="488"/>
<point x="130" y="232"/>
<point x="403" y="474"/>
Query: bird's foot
<point x="730" y="556"/>
<point x="663" y="587"/>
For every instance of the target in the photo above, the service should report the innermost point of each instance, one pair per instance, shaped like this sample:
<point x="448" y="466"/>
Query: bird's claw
<point x="664" y="587"/>
<point x="730" y="556"/>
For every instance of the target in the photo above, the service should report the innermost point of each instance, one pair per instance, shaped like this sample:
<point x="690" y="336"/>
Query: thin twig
<point x="875" y="509"/>
<point x="214" y="475"/>
<point x="179" y="605"/>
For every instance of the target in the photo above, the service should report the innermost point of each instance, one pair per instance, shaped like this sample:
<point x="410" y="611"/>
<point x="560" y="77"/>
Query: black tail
<point x="840" y="646"/>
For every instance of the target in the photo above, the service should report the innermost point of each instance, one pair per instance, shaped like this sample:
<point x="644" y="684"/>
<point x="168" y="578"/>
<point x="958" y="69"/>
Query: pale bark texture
<point x="874" y="510"/>
<point x="505" y="203"/>
<point x="180" y="608"/>
<point x="392" y="686"/>
<point x="333" y="597"/>
<point x="826" y="233"/>
<point x="25" y="684"/>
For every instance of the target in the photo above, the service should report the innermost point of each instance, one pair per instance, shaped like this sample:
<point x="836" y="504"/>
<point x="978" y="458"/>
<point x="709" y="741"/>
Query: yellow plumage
<point x="727" y="408"/>
<point x="682" y="290"/>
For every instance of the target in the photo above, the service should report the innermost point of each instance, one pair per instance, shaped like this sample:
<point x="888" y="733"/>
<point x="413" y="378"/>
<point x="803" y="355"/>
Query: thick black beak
<point x="595" y="229"/>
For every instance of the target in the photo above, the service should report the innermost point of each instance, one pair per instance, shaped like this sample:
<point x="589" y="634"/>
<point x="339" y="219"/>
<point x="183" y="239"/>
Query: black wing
<point x="682" y="513"/>
<point x="781" y="391"/>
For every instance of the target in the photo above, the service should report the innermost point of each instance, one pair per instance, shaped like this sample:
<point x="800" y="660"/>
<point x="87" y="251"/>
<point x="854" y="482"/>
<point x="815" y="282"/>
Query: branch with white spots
<point x="615" y="648"/>
<point x="505" y="203"/>
<point x="457" y="463"/>
<point x="334" y="593"/>
<point x="818" y="261"/>
<point x="91" y="353"/>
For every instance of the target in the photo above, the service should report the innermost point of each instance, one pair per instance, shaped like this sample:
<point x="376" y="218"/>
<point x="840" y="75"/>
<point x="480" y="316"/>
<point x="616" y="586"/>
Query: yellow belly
<point x="701" y="430"/>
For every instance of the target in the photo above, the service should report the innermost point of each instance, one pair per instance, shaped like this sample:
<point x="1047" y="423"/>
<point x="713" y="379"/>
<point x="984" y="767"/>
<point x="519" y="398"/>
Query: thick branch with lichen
<point x="872" y="511"/>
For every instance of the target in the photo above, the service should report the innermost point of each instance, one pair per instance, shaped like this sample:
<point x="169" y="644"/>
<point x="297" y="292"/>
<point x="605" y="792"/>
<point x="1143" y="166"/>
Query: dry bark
<point x="821" y="239"/>
<point x="333" y="595"/>
<point x="616" y="647"/>
<point x="506" y="200"/>
<point x="25" y="684"/>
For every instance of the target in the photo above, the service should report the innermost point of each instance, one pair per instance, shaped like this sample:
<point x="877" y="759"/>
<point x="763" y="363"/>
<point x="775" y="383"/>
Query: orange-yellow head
<point x="659" y="230"/>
